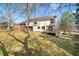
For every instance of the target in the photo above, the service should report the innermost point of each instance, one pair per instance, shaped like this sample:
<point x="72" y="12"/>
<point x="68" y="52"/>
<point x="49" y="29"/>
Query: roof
<point x="39" y="19"/>
<point x="42" y="18"/>
<point x="22" y="23"/>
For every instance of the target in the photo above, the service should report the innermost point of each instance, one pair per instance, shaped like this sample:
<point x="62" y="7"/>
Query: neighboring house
<point x="20" y="26"/>
<point x="43" y="24"/>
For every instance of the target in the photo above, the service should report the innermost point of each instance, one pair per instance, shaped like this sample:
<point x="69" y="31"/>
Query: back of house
<point x="42" y="24"/>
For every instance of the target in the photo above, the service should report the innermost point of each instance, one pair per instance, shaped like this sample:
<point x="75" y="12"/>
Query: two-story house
<point x="43" y="24"/>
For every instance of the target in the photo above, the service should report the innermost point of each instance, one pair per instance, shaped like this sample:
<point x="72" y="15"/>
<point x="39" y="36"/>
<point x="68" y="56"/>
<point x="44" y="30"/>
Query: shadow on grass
<point x="71" y="46"/>
<point x="31" y="53"/>
<point x="35" y="51"/>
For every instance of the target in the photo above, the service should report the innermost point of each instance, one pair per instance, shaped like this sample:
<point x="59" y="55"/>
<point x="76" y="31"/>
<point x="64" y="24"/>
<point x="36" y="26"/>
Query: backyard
<point x="40" y="44"/>
<point x="38" y="29"/>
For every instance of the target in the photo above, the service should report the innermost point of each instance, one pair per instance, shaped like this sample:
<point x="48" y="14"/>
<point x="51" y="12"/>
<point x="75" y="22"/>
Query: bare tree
<point x="10" y="10"/>
<point x="7" y="15"/>
<point x="28" y="11"/>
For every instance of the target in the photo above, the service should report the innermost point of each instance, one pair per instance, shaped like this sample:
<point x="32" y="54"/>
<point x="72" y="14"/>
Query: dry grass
<point x="38" y="43"/>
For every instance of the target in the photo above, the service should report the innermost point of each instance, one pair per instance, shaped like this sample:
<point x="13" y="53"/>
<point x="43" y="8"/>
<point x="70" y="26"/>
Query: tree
<point x="7" y="15"/>
<point x="3" y="25"/>
<point x="66" y="21"/>
<point x="28" y="11"/>
<point x="10" y="11"/>
<point x="77" y="15"/>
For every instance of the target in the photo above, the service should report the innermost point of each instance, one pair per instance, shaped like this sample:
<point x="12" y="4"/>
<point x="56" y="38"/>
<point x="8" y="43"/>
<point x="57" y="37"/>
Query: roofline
<point x="38" y="19"/>
<point x="42" y="18"/>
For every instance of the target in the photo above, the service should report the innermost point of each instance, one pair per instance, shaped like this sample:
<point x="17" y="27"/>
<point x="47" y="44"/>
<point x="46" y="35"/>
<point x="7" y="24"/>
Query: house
<point x="42" y="24"/>
<point x="21" y="26"/>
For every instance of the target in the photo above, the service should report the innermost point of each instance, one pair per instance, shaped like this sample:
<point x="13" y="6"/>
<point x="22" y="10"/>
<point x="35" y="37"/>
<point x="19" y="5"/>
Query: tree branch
<point x="16" y="38"/>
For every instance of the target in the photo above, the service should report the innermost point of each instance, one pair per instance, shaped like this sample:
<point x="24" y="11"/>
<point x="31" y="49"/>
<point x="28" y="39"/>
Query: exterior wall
<point x="41" y="24"/>
<point x="35" y="28"/>
<point x="31" y="23"/>
<point x="20" y="28"/>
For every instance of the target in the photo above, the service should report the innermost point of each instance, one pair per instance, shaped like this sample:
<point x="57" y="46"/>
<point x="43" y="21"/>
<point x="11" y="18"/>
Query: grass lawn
<point x="71" y="46"/>
<point x="40" y="44"/>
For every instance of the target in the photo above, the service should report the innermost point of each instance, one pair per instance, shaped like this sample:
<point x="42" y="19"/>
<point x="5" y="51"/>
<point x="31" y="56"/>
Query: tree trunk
<point x="64" y="31"/>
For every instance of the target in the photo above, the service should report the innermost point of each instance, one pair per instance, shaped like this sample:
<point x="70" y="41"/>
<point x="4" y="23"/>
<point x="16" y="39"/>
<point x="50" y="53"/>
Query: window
<point x="51" y="20"/>
<point x="35" y="22"/>
<point x="50" y="28"/>
<point x="38" y="27"/>
<point x="43" y="27"/>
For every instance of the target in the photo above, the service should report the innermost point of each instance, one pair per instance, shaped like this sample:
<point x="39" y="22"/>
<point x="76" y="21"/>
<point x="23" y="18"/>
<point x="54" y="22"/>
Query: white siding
<point x="35" y="28"/>
<point x="40" y="23"/>
<point x="30" y="24"/>
<point x="43" y="23"/>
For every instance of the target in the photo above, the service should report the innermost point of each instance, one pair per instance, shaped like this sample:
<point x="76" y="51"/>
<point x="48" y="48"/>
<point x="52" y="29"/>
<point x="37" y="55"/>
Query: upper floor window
<point x="51" y="20"/>
<point x="35" y="23"/>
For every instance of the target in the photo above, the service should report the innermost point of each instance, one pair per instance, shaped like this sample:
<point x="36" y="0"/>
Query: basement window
<point x="38" y="27"/>
<point x="50" y="28"/>
<point x="43" y="27"/>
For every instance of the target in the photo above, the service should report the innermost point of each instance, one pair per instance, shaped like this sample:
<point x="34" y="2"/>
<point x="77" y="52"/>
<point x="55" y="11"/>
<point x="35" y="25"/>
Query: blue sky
<point x="42" y="11"/>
